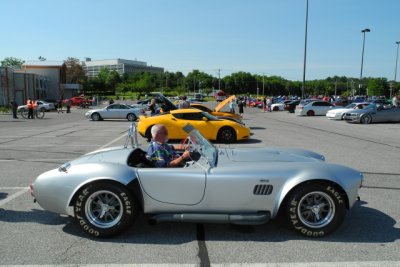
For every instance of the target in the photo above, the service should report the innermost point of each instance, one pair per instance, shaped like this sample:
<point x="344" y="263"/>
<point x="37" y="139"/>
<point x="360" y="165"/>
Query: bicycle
<point x="39" y="114"/>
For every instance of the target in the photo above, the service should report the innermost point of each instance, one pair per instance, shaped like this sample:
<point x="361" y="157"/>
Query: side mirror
<point x="205" y="119"/>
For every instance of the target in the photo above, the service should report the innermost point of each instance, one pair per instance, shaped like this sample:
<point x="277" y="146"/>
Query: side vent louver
<point x="262" y="189"/>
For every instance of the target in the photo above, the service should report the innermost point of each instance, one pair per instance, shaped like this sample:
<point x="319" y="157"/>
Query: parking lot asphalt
<point x="31" y="236"/>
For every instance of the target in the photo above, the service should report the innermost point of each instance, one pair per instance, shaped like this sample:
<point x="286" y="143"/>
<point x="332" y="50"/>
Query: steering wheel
<point x="189" y="144"/>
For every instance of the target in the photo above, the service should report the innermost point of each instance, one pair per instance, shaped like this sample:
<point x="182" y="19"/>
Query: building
<point x="55" y="73"/>
<point x="19" y="86"/>
<point x="122" y="66"/>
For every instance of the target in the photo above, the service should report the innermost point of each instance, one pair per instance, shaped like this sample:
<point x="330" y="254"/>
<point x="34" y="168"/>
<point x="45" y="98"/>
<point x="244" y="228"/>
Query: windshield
<point x="205" y="148"/>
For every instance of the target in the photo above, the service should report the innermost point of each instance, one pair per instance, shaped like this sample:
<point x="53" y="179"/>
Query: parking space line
<point x="13" y="196"/>
<point x="113" y="141"/>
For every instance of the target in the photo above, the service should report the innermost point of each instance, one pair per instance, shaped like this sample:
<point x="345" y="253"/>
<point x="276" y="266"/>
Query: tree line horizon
<point x="110" y="83"/>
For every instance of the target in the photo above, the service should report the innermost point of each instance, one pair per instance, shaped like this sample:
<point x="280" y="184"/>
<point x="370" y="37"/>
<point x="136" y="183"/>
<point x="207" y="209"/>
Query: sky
<point x="264" y="37"/>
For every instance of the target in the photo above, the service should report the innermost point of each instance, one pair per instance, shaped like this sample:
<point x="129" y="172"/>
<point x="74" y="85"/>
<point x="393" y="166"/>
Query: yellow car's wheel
<point x="226" y="135"/>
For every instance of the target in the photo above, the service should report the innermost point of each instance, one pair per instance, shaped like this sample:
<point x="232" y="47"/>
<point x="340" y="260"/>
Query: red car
<point x="79" y="101"/>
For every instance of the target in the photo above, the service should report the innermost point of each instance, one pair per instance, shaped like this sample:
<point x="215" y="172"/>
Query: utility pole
<point x="219" y="79"/>
<point x="263" y="85"/>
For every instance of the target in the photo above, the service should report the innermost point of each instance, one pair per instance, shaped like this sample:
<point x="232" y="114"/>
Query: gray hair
<point x="156" y="128"/>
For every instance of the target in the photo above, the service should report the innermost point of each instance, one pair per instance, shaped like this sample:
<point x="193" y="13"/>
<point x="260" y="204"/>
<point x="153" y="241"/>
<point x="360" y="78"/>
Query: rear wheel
<point x="105" y="209"/>
<point x="310" y="113"/>
<point x="96" y="116"/>
<point x="315" y="210"/>
<point x="226" y="135"/>
<point x="39" y="114"/>
<point x="275" y="109"/>
<point x="365" y="119"/>
<point x="131" y="117"/>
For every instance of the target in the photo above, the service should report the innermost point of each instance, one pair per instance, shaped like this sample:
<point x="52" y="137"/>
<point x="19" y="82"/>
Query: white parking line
<point x="270" y="264"/>
<point x="13" y="196"/>
<point x="113" y="141"/>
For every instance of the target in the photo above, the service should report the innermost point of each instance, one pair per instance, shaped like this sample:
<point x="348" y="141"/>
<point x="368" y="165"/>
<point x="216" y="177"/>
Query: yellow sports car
<point x="217" y="110"/>
<point x="224" y="131"/>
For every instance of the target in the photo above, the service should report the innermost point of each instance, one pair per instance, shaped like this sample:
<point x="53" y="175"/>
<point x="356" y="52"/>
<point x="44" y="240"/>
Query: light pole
<point x="362" y="59"/>
<point x="305" y="55"/>
<point x="395" y="69"/>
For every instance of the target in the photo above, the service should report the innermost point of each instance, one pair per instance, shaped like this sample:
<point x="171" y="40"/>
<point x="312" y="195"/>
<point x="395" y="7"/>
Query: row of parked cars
<point x="378" y="110"/>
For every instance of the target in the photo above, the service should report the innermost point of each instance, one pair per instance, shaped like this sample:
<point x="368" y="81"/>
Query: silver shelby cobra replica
<point x="104" y="190"/>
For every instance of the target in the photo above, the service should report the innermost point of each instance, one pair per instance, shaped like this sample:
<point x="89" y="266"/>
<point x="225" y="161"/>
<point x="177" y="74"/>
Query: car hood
<point x="223" y="103"/>
<point x="272" y="155"/>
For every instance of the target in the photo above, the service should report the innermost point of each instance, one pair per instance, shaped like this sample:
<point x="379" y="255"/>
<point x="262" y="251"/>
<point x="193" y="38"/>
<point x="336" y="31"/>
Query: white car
<point x="115" y="111"/>
<point x="338" y="114"/>
<point x="279" y="106"/>
<point x="315" y="108"/>
<point x="42" y="106"/>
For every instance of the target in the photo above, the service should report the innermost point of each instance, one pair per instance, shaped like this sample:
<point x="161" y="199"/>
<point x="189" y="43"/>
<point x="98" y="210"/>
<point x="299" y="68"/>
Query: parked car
<point x="291" y="106"/>
<point x="104" y="190"/>
<point x="41" y="105"/>
<point x="79" y="101"/>
<point x="342" y="102"/>
<point x="218" y="111"/>
<point x="280" y="105"/>
<point x="338" y="114"/>
<point x="225" y="131"/>
<point x="374" y="113"/>
<point x="115" y="111"/>
<point x="314" y="108"/>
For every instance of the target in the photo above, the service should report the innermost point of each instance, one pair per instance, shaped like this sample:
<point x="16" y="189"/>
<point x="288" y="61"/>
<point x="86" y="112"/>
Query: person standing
<point x="14" y="108"/>
<point x="184" y="103"/>
<point x="69" y="102"/>
<point x="60" y="106"/>
<point x="30" y="108"/>
<point x="265" y="103"/>
<point x="153" y="107"/>
<point x="241" y="107"/>
<point x="269" y="103"/>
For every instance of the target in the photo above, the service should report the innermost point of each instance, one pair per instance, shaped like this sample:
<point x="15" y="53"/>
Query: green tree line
<point x="239" y="83"/>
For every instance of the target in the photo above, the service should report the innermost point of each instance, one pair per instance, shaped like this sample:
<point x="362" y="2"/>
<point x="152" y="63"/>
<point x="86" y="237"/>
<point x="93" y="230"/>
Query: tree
<point x="12" y="62"/>
<point x="75" y="72"/>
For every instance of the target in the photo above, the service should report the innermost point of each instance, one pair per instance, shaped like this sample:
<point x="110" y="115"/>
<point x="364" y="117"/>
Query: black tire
<point x="275" y="109"/>
<point x="105" y="209"/>
<point x="291" y="110"/>
<point x="310" y="113"/>
<point x="343" y="115"/>
<point x="315" y="210"/>
<point x="131" y="117"/>
<point x="366" y="119"/>
<point x="226" y="135"/>
<point x="24" y="113"/>
<point x="39" y="114"/>
<point x="95" y="116"/>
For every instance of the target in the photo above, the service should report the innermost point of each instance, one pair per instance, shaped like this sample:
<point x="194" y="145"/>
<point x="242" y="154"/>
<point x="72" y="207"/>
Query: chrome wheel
<point x="316" y="209"/>
<point x="104" y="209"/>
<point x="366" y="119"/>
<point x="95" y="116"/>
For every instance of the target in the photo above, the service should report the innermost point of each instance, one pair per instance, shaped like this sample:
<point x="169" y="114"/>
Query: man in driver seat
<point x="160" y="152"/>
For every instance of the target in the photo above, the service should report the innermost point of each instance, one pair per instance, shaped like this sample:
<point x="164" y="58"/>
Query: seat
<point x="138" y="159"/>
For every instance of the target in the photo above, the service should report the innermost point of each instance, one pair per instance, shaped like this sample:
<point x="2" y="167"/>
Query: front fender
<point x="55" y="189"/>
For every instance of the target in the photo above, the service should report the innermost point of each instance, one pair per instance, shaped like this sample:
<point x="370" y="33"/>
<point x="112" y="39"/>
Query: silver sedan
<point x="115" y="111"/>
<point x="374" y="113"/>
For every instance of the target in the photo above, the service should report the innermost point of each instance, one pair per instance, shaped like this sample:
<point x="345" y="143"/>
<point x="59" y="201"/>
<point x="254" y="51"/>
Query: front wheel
<point x="366" y="119"/>
<point x="96" y="116"/>
<point x="131" y="117"/>
<point x="315" y="210"/>
<point x="24" y="113"/>
<point x="105" y="209"/>
<point x="310" y="113"/>
<point x="226" y="135"/>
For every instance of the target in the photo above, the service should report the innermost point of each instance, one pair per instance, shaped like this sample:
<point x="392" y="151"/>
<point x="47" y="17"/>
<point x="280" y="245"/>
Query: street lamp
<point x="362" y="59"/>
<point x="305" y="55"/>
<point x="395" y="69"/>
